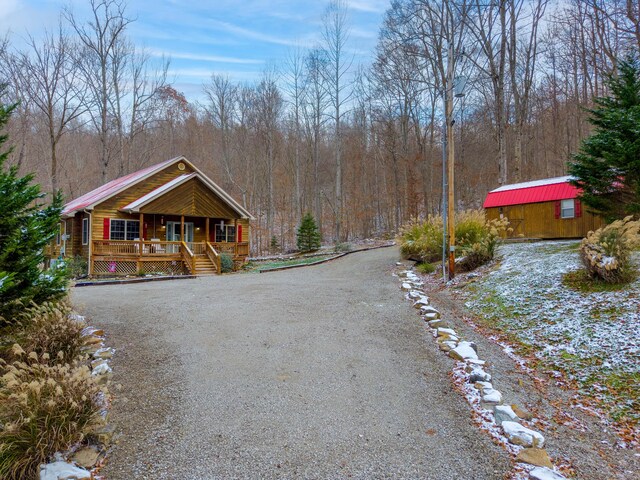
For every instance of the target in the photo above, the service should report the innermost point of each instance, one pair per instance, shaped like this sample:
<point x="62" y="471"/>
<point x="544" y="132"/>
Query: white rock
<point x="403" y="273"/>
<point x="101" y="369"/>
<point x="519" y="435"/>
<point x="479" y="375"/>
<point x="414" y="294"/>
<point x="398" y="264"/>
<point x="491" y="395"/>
<point x="421" y="301"/>
<point x="428" y="309"/>
<point x="446" y="331"/>
<point x="463" y="351"/>
<point x="439" y="323"/>
<point x="431" y="316"/>
<point x="504" y="413"/>
<point x="406" y="286"/>
<point x="544" y="473"/>
<point x="63" y="471"/>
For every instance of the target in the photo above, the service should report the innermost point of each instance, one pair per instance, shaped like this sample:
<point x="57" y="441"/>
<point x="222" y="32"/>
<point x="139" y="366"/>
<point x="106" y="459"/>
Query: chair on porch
<point x="145" y="248"/>
<point x="157" y="248"/>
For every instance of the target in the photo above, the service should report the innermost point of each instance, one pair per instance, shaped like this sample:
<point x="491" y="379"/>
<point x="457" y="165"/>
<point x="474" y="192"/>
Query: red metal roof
<point x="546" y="190"/>
<point x="88" y="200"/>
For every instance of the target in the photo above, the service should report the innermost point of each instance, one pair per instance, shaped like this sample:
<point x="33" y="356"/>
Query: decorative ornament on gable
<point x="181" y="166"/>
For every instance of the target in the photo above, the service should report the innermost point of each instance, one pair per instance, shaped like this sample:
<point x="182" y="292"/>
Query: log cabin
<point x="546" y="209"/>
<point x="168" y="218"/>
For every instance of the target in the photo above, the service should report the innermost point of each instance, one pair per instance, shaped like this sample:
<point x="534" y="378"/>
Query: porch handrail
<point x="132" y="248"/>
<point x="189" y="257"/>
<point x="214" y="257"/>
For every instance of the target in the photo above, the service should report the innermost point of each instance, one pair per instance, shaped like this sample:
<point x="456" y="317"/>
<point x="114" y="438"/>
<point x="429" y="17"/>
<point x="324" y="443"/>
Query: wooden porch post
<point x="140" y="240"/>
<point x="206" y="230"/>
<point x="182" y="228"/>
<point x="235" y="230"/>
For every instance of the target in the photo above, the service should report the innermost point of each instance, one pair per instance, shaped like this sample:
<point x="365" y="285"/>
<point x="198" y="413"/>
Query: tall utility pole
<point x="450" y="162"/>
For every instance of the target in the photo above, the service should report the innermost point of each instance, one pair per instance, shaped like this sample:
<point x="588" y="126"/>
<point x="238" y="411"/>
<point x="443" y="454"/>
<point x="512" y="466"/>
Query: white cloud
<point x="371" y="6"/>
<point x="204" y="58"/>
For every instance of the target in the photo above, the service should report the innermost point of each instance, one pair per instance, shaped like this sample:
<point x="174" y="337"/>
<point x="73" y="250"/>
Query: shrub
<point x="422" y="240"/>
<point x="606" y="253"/>
<point x="77" y="267"/>
<point x="476" y="239"/>
<point x="43" y="410"/>
<point x="226" y="263"/>
<point x="483" y="249"/>
<point x="342" y="247"/>
<point x="426" y="268"/>
<point x="48" y="330"/>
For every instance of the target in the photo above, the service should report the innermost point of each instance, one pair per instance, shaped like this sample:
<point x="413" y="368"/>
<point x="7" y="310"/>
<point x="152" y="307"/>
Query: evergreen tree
<point x="308" y="237"/>
<point x="607" y="167"/>
<point x="25" y="230"/>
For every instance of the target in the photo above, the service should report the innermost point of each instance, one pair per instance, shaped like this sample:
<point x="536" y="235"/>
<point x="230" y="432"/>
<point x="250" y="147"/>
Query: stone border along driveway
<point x="505" y="423"/>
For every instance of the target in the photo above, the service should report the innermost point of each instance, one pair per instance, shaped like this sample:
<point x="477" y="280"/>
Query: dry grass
<point x="476" y="238"/>
<point x="49" y="401"/>
<point x="49" y="328"/>
<point x="44" y="409"/>
<point x="606" y="253"/>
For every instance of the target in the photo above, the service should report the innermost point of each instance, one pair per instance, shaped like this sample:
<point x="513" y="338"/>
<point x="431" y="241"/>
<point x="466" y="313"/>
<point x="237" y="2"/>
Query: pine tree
<point x="25" y="230"/>
<point x="607" y="167"/>
<point x="274" y="245"/>
<point x="308" y="237"/>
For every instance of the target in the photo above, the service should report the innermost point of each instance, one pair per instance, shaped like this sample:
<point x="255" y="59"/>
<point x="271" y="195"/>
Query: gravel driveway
<point x="318" y="372"/>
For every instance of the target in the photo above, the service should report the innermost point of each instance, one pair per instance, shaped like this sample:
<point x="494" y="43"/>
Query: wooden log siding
<point x="538" y="220"/>
<point x="110" y="207"/>
<point x="191" y="199"/>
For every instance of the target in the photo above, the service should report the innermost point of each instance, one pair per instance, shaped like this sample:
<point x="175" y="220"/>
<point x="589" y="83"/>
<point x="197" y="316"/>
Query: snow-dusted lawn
<point x="593" y="337"/>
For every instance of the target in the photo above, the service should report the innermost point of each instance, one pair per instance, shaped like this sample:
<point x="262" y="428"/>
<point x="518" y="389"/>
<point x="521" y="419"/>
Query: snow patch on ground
<point x="590" y="336"/>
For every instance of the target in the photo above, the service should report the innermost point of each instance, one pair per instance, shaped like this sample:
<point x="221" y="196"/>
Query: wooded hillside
<point x="359" y="146"/>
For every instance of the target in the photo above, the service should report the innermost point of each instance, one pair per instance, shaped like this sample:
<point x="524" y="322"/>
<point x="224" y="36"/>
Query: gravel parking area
<point x="318" y="372"/>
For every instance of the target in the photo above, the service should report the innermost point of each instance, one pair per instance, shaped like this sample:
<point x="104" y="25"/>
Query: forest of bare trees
<point x="359" y="146"/>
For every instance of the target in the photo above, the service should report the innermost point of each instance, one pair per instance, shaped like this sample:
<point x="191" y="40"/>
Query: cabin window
<point x="567" y="209"/>
<point x="59" y="234"/>
<point x="85" y="231"/>
<point x="225" y="233"/>
<point x="124" y="229"/>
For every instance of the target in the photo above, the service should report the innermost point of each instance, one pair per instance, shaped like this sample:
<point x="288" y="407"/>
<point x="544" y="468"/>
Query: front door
<point x="173" y="234"/>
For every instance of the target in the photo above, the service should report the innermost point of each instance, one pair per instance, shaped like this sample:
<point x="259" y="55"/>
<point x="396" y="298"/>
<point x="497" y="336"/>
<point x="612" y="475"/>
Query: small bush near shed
<point x="422" y="240"/>
<point x="606" y="253"/>
<point x="476" y="238"/>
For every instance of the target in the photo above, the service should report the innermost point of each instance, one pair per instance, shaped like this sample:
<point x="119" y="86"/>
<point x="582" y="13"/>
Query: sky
<point x="239" y="38"/>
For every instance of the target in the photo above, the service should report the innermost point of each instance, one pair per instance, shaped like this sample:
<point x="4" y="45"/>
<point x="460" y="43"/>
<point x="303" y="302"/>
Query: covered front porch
<point x="166" y="244"/>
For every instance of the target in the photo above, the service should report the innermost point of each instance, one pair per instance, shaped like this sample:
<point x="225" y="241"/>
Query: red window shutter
<point x="106" y="232"/>
<point x="577" y="205"/>
<point x="239" y="233"/>
<point x="558" y="209"/>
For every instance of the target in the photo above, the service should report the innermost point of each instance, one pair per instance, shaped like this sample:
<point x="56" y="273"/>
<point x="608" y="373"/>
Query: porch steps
<point x="204" y="266"/>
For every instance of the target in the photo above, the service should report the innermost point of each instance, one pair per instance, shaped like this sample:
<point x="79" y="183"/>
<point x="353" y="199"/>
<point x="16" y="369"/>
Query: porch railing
<point x="214" y="257"/>
<point x="240" y="249"/>
<point x="137" y="248"/>
<point x="134" y="248"/>
<point x="188" y="257"/>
